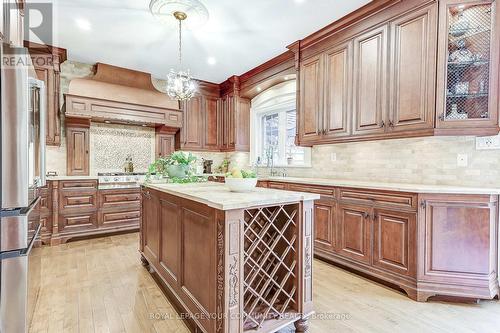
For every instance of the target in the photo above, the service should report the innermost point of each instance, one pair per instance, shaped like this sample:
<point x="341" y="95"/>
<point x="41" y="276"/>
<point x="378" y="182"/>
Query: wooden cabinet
<point x="311" y="95"/>
<point x="394" y="241"/>
<point x="46" y="62"/>
<point x="468" y="67"/>
<point x="355" y="233"/>
<point x="380" y="78"/>
<point x="412" y="70"/>
<point x="211" y="138"/>
<point x="325" y="225"/>
<point x="77" y="147"/>
<point x="77" y="208"/>
<point x="235" y="122"/>
<point x="165" y="141"/>
<point x="370" y="82"/>
<point x="150" y="237"/>
<point x="458" y="245"/>
<point x="192" y="128"/>
<point x="338" y="90"/>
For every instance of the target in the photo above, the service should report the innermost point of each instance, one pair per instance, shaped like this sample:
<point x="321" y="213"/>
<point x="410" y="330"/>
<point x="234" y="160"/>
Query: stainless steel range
<point x="114" y="180"/>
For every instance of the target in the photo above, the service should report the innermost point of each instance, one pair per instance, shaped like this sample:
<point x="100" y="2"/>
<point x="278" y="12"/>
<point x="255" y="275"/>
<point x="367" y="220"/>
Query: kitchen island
<point x="231" y="262"/>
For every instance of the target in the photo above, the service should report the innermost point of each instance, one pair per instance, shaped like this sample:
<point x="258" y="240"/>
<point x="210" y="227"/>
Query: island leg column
<point x="230" y="277"/>
<point x="305" y="250"/>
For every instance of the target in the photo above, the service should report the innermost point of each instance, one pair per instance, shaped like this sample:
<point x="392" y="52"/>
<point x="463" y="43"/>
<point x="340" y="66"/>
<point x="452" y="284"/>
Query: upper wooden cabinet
<point x="46" y="61"/>
<point x="192" y="129"/>
<point x="311" y="104"/>
<point x="338" y="89"/>
<point x="376" y="78"/>
<point x="211" y="123"/>
<point x="370" y="82"/>
<point x="165" y="141"/>
<point x="468" y="67"/>
<point x="412" y="70"/>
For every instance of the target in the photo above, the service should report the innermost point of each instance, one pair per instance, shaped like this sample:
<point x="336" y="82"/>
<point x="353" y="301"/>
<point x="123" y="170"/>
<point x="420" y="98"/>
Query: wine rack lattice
<point x="270" y="252"/>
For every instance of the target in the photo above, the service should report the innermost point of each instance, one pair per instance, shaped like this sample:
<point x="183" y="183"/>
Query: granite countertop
<point x="218" y="196"/>
<point x="71" y="177"/>
<point x="401" y="187"/>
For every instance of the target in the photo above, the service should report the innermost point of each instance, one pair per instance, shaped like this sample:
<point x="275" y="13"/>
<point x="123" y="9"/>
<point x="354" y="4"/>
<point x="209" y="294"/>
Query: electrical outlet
<point x="462" y="160"/>
<point x="488" y="142"/>
<point x="333" y="157"/>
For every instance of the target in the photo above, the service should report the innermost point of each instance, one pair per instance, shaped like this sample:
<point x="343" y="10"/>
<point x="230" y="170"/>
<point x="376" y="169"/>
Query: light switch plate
<point x="462" y="160"/>
<point x="488" y="142"/>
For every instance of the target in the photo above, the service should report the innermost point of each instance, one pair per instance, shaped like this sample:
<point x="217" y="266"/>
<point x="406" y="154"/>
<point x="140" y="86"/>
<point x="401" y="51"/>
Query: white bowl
<point x="241" y="184"/>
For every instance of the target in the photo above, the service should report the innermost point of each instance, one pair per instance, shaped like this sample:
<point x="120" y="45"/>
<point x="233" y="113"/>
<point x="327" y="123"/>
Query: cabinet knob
<point x="391" y="124"/>
<point x="383" y="124"/>
<point x="366" y="215"/>
<point x="423" y="204"/>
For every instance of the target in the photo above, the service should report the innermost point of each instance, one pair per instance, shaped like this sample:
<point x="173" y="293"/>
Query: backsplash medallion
<point x="111" y="144"/>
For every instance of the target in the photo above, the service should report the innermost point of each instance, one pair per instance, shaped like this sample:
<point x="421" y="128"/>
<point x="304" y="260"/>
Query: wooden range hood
<point x="123" y="96"/>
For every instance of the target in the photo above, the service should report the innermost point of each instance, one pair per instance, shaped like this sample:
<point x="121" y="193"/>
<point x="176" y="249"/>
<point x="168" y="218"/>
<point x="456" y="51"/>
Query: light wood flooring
<point x="99" y="285"/>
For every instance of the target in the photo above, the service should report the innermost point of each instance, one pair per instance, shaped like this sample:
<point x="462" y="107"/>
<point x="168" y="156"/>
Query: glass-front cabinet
<point x="468" y="68"/>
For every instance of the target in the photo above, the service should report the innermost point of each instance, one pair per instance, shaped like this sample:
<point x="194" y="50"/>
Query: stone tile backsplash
<point x="111" y="144"/>
<point x="428" y="160"/>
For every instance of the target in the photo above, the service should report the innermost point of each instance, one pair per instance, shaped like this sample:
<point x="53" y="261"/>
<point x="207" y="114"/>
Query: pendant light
<point x="180" y="85"/>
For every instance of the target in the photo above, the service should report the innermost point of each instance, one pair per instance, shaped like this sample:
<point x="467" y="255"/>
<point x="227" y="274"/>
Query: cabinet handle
<point x="366" y="215"/>
<point x="441" y="117"/>
<point x="423" y="204"/>
<point x="391" y="124"/>
<point x="374" y="217"/>
<point x="147" y="194"/>
<point x="383" y="124"/>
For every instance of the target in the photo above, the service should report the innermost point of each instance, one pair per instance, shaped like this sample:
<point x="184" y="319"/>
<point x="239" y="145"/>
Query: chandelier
<point x="180" y="85"/>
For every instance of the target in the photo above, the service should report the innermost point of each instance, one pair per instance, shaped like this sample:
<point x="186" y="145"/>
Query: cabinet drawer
<point x="277" y="186"/>
<point x="380" y="198"/>
<point x="77" y="222"/>
<point x="79" y="184"/>
<point x="84" y="199"/>
<point x="119" y="218"/>
<point x="117" y="198"/>
<point x="327" y="192"/>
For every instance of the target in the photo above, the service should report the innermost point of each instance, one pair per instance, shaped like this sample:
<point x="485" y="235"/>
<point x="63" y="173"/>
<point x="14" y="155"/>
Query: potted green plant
<point x="176" y="166"/>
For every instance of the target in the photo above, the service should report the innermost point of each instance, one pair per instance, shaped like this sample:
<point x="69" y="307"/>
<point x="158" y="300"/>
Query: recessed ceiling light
<point x="259" y="88"/>
<point x="107" y="122"/>
<point x="83" y="24"/>
<point x="211" y="61"/>
<point x="300" y="1"/>
<point x="286" y="78"/>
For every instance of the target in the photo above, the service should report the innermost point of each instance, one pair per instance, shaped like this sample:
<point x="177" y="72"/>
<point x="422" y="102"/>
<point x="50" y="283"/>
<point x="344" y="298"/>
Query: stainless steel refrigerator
<point x="22" y="170"/>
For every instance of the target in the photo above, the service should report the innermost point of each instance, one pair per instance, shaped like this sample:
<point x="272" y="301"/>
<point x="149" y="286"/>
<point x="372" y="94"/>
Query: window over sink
<point x="273" y="128"/>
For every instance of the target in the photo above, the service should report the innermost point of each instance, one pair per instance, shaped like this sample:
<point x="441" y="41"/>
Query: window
<point x="274" y="121"/>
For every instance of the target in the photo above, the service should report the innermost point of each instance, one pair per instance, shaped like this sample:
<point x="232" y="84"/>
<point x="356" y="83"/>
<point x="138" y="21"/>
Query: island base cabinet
<point x="458" y="238"/>
<point x="226" y="268"/>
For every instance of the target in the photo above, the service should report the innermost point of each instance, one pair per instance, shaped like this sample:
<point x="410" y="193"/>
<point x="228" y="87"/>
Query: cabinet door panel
<point x="370" y="86"/>
<point x="242" y="125"/>
<point x="394" y="236"/>
<point x="354" y="233"/>
<point x="311" y="87"/>
<point x="325" y="224"/>
<point x="211" y="141"/>
<point x="338" y="90"/>
<point x="413" y="68"/>
<point x="150" y="226"/>
<point x="193" y="123"/>
<point x="78" y="151"/>
<point x="165" y="144"/>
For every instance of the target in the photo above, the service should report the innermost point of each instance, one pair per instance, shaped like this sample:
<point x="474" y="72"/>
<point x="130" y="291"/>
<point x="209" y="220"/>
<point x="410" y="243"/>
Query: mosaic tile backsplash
<point x="111" y="144"/>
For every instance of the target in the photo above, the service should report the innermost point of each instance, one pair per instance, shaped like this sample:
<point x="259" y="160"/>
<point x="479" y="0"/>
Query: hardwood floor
<point x="99" y="285"/>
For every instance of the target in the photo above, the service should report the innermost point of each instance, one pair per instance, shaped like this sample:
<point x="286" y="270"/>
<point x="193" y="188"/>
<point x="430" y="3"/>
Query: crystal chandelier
<point x="180" y="85"/>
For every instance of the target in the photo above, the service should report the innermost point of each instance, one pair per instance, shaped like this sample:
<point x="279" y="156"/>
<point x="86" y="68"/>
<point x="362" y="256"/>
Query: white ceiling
<point x="240" y="34"/>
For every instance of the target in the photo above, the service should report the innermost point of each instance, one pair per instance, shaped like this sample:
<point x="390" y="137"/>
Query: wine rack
<point x="270" y="266"/>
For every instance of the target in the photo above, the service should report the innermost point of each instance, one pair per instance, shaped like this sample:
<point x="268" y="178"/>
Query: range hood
<point x="120" y="95"/>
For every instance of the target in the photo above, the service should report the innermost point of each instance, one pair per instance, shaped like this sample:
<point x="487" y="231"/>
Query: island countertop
<point x="218" y="196"/>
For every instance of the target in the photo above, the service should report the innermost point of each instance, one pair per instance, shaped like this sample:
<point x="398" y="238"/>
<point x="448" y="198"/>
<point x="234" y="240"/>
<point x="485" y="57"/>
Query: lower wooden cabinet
<point x="77" y="146"/>
<point x="81" y="209"/>
<point x="354" y="233"/>
<point x="394" y="241"/>
<point x="426" y="244"/>
<point x="458" y="238"/>
<point x="325" y="219"/>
